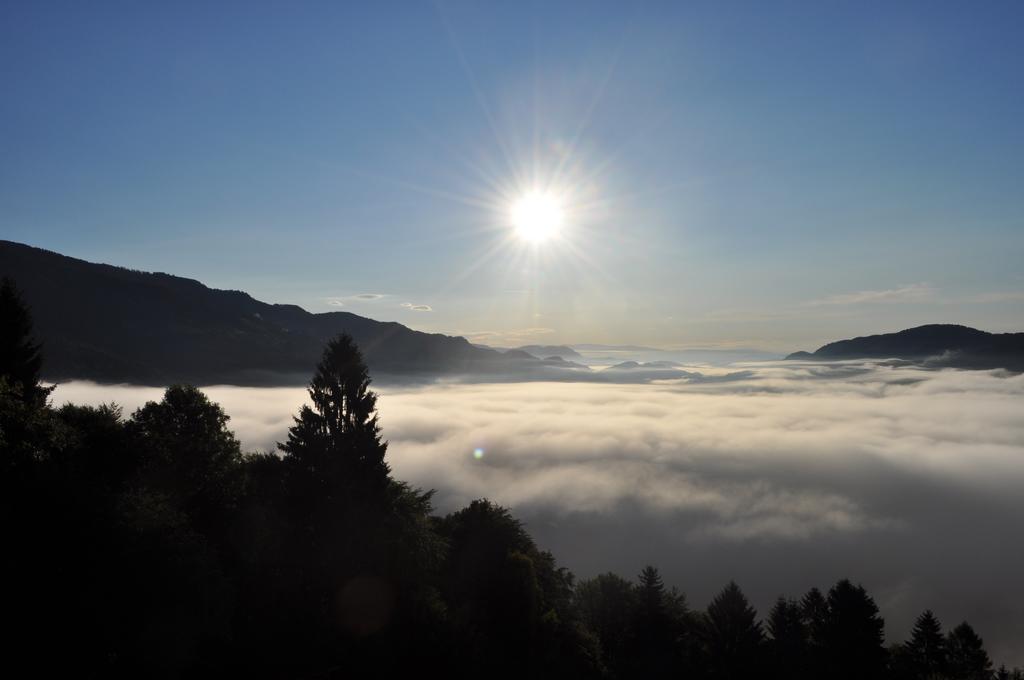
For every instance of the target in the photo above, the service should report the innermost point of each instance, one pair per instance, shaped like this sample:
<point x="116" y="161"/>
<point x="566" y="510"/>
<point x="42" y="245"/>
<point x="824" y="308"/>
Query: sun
<point x="537" y="216"/>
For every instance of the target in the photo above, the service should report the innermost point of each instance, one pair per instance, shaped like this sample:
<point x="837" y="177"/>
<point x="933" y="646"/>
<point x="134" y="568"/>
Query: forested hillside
<point x="112" y="324"/>
<point x="938" y="345"/>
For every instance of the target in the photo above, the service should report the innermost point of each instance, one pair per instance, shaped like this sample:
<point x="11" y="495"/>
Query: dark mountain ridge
<point x="112" y="324"/>
<point x="939" y="345"/>
<point x="548" y="351"/>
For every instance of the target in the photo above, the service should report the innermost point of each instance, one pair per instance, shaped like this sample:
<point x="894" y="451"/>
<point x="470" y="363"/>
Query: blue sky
<point x="759" y="174"/>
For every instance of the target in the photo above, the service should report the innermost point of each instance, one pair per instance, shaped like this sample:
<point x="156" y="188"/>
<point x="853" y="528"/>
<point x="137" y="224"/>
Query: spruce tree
<point x="927" y="647"/>
<point x="654" y="646"/>
<point x="20" y="355"/>
<point x="788" y="644"/>
<point x="336" y="443"/>
<point x="356" y="540"/>
<point x="853" y="637"/>
<point x="651" y="590"/>
<point x="27" y="429"/>
<point x="814" y="611"/>
<point x="966" y="655"/>
<point x="733" y="636"/>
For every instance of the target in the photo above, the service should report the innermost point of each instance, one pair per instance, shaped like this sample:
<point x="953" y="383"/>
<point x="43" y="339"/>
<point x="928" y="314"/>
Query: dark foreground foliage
<point x="151" y="546"/>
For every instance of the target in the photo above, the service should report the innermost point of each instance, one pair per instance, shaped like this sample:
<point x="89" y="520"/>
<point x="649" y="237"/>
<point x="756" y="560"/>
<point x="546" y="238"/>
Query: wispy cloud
<point x="344" y="300"/>
<point x="417" y="308"/>
<point x="514" y="336"/>
<point x="913" y="293"/>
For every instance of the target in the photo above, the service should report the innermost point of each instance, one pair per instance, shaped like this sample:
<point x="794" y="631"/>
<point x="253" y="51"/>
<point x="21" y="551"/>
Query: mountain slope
<point x="935" y="345"/>
<point x="109" y="323"/>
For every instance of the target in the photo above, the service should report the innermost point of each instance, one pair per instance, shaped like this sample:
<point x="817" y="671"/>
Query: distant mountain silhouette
<point x="656" y="365"/>
<point x="518" y="354"/>
<point x="548" y="351"/>
<point x="112" y="324"/>
<point x="933" y="345"/>
<point x="592" y="347"/>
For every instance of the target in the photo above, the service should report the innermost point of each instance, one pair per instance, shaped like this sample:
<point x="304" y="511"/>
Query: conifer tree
<point x="26" y="426"/>
<point x="337" y="441"/>
<point x="654" y="636"/>
<point x="853" y="636"/>
<point x="732" y="633"/>
<point x="788" y="644"/>
<point x="651" y="590"/>
<point x="814" y="611"/>
<point x="927" y="647"/>
<point x="20" y="355"/>
<point x="966" y="655"/>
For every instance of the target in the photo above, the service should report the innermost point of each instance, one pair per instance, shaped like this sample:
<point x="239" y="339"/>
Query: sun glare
<point x="537" y="216"/>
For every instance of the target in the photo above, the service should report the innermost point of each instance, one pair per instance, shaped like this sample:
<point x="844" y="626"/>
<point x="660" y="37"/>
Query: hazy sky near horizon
<point x="772" y="175"/>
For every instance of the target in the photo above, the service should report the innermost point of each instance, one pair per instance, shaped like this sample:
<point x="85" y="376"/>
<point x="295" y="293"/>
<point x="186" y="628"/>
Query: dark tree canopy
<point x="966" y="655"/>
<point x="814" y="611"/>
<point x="786" y="624"/>
<point x="20" y="355"/>
<point x="853" y="637"/>
<point x="27" y="431"/>
<point x="189" y="452"/>
<point x="733" y="634"/>
<point x="607" y="604"/>
<point x="788" y="645"/>
<point x="657" y="628"/>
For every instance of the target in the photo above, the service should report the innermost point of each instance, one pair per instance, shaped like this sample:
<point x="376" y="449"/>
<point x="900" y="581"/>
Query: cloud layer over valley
<point x="784" y="476"/>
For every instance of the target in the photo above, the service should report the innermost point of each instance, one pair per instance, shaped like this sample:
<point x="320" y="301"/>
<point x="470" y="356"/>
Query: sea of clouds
<point x="779" y="475"/>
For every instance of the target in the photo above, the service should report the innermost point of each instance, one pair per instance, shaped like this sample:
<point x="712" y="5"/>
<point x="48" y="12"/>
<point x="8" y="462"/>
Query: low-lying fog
<point x="779" y="475"/>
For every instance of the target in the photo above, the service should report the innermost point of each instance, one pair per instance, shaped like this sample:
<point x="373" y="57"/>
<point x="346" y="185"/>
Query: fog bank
<point x="779" y="475"/>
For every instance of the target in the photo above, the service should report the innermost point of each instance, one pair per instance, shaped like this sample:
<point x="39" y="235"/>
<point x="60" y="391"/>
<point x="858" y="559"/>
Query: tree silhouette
<point x="20" y="356"/>
<point x="733" y="635"/>
<point x="1006" y="674"/>
<point x="853" y="634"/>
<point x="966" y="655"/>
<point x="926" y="648"/>
<point x="650" y="588"/>
<point x="26" y="425"/>
<point x="189" y="453"/>
<point x="356" y="540"/>
<point x="607" y="604"/>
<point x="500" y="588"/>
<point x="814" y="613"/>
<point x="788" y="644"/>
<point x="657" y="629"/>
<point x="337" y="441"/>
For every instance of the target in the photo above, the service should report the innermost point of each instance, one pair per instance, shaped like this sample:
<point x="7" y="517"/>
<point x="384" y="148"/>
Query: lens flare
<point x="478" y="453"/>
